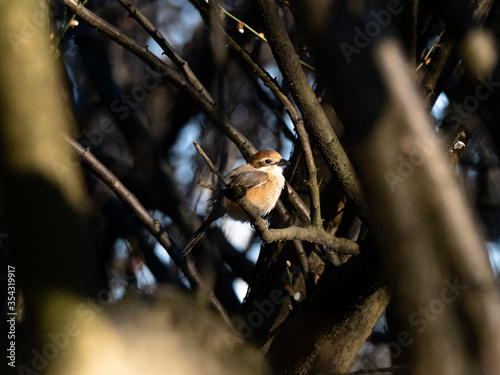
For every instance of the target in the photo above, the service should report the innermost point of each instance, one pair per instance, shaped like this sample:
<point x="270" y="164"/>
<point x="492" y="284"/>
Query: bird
<point x="263" y="178"/>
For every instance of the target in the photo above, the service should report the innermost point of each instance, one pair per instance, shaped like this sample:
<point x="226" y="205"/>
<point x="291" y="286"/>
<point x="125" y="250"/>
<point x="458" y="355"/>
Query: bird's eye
<point x="267" y="161"/>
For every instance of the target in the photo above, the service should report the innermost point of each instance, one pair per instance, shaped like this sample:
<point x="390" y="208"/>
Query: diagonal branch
<point x="213" y="168"/>
<point x="142" y="52"/>
<point x="182" y="64"/>
<point x="202" y="99"/>
<point x="313" y="115"/>
<point x="151" y="224"/>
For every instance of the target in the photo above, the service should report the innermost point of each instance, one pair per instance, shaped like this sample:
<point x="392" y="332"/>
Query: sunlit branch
<point x="310" y="234"/>
<point x="313" y="115"/>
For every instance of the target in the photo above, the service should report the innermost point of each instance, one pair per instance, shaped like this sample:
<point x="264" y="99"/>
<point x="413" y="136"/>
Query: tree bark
<point x="443" y="291"/>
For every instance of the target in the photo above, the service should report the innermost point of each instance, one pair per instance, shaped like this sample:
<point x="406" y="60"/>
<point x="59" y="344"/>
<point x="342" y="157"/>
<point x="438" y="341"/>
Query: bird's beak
<point x="282" y="163"/>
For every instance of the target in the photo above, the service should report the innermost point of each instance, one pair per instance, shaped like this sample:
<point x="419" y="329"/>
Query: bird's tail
<point x="197" y="235"/>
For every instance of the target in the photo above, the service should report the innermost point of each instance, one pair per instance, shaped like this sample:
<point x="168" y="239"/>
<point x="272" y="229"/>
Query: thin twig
<point x="312" y="181"/>
<point x="202" y="99"/>
<point x="258" y="35"/>
<point x="150" y="223"/>
<point x="245" y="25"/>
<point x="206" y="185"/>
<point x="434" y="45"/>
<point x="64" y="28"/>
<point x="182" y="64"/>
<point x="213" y="168"/>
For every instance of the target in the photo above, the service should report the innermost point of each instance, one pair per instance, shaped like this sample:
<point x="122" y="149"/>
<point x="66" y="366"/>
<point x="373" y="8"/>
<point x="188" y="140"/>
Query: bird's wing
<point x="249" y="179"/>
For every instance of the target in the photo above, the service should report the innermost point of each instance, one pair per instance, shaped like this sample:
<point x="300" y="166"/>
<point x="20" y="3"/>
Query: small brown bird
<point x="263" y="178"/>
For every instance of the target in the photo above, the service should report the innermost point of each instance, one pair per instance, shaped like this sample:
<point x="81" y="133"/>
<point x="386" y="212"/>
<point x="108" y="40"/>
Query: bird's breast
<point x="263" y="196"/>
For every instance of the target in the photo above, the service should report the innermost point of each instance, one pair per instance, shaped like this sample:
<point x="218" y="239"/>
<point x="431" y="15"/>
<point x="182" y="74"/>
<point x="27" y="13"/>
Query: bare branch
<point x="150" y="223"/>
<point x="310" y="234"/>
<point x="298" y="204"/>
<point x="299" y="248"/>
<point x="202" y="99"/>
<point x="314" y="117"/>
<point x="213" y="168"/>
<point x="312" y="181"/>
<point x="182" y="64"/>
<point x="269" y="82"/>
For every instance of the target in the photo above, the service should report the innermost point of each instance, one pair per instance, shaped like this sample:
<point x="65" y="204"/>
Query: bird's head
<point x="268" y="161"/>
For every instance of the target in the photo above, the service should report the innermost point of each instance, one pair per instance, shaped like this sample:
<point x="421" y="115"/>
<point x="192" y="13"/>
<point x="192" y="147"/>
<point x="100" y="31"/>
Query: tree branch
<point x="202" y="99"/>
<point x="313" y="115"/>
<point x="182" y="64"/>
<point x="213" y="168"/>
<point x="270" y="83"/>
<point x="312" y="182"/>
<point x="152" y="225"/>
<point x="199" y="96"/>
<point x="301" y="253"/>
<point x="310" y="234"/>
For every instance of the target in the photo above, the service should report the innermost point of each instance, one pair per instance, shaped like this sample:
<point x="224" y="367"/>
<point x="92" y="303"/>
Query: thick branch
<point x="314" y="117"/>
<point x="324" y="331"/>
<point x="310" y="234"/>
<point x="313" y="235"/>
